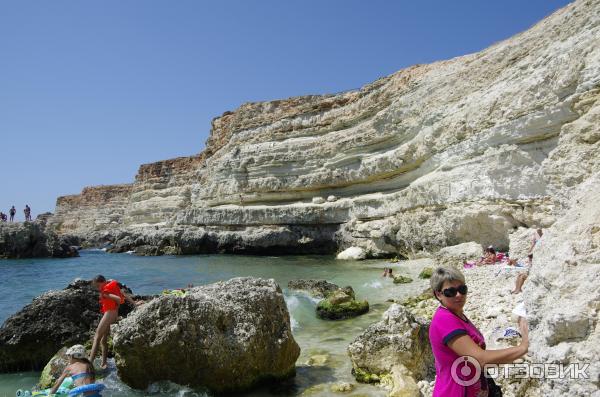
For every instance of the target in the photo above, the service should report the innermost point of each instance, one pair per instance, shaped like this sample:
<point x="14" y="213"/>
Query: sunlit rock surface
<point x="461" y="150"/>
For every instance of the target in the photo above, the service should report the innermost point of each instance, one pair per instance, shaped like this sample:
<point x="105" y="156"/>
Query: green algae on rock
<point x="426" y="273"/>
<point x="341" y="304"/>
<point x="227" y="337"/>
<point x="402" y="279"/>
<point x="328" y="311"/>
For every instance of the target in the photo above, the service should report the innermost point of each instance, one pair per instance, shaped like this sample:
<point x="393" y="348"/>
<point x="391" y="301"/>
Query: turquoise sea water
<point x="22" y="280"/>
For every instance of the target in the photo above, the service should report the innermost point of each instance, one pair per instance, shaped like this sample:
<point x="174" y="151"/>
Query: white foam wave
<point x="294" y="323"/>
<point x="292" y="302"/>
<point x="373" y="284"/>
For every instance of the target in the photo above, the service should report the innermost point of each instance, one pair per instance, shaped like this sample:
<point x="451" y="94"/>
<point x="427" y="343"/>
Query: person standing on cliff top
<point x="111" y="297"/>
<point x="12" y="213"/>
<point x="27" y="212"/>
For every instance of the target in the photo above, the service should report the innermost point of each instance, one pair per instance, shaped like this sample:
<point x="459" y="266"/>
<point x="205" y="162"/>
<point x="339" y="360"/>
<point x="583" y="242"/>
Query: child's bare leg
<point x="104" y="346"/>
<point x="103" y="327"/>
<point x="519" y="283"/>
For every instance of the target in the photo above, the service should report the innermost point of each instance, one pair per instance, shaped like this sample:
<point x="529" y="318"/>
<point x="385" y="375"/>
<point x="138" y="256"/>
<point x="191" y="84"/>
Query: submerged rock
<point x="341" y="304"/>
<point x="29" y="338"/>
<point x="316" y="288"/>
<point x="227" y="337"/>
<point x="394" y="351"/>
<point x="342" y="387"/>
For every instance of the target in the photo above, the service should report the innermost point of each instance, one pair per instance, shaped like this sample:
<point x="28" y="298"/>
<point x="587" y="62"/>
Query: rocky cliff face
<point x="33" y="240"/>
<point x="461" y="150"/>
<point x="563" y="297"/>
<point x="94" y="214"/>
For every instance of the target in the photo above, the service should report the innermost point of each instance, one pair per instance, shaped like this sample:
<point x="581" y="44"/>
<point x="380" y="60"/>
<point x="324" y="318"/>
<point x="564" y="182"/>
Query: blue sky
<point x="91" y="90"/>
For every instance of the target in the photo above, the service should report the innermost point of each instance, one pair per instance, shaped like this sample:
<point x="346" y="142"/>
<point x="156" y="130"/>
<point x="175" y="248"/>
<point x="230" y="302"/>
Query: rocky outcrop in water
<point x="32" y="240"/>
<point x="316" y="288"/>
<point x="467" y="149"/>
<point x="341" y="304"/>
<point x="29" y="338"/>
<point x="227" y="337"/>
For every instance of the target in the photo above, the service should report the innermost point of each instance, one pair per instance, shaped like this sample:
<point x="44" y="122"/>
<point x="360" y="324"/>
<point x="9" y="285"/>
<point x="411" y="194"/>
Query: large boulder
<point x="455" y="255"/>
<point x="394" y="351"/>
<point x="33" y="240"/>
<point x="520" y="242"/>
<point x="29" y="338"/>
<point x="54" y="369"/>
<point x="316" y="288"/>
<point x="352" y="253"/>
<point x="227" y="337"/>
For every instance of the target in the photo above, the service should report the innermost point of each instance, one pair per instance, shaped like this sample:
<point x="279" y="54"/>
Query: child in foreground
<point x="80" y="369"/>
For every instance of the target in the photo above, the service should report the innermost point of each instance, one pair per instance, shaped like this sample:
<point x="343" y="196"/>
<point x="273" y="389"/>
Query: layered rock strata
<point x="466" y="149"/>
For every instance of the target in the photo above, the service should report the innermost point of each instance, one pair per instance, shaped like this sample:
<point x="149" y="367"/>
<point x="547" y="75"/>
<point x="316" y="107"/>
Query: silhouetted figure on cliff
<point x="3" y="217"/>
<point x="27" y="212"/>
<point x="12" y="213"/>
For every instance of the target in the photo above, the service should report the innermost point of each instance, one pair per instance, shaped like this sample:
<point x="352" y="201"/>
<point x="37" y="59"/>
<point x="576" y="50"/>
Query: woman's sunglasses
<point x="451" y="292"/>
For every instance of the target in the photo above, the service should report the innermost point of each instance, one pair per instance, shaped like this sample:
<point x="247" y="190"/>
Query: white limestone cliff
<point x="461" y="150"/>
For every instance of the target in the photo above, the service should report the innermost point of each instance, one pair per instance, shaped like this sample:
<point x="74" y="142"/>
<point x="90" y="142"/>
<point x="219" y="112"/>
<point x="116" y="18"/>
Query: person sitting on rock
<point x="522" y="276"/>
<point x="111" y="297"/>
<point x="458" y="346"/>
<point x="80" y="369"/>
<point x="3" y="217"/>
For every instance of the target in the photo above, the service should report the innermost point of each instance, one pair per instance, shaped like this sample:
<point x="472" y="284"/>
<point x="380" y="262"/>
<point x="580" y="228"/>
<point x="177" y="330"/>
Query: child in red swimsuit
<point x="111" y="297"/>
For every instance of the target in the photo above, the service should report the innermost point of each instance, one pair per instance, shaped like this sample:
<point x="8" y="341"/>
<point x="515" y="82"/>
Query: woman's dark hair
<point x="390" y="270"/>
<point x="530" y="256"/>
<point x="99" y="279"/>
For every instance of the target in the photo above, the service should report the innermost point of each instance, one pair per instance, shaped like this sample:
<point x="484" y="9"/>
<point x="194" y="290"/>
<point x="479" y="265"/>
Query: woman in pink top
<point x="457" y="345"/>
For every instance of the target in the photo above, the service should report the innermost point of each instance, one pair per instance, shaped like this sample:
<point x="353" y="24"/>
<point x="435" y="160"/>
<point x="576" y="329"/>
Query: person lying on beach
<point x="111" y="297"/>
<point x="80" y="369"/>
